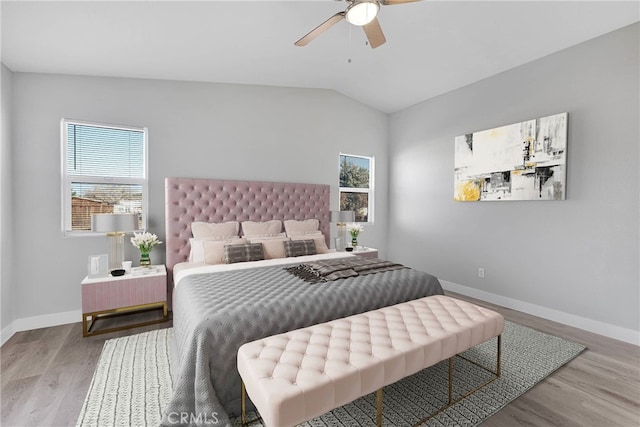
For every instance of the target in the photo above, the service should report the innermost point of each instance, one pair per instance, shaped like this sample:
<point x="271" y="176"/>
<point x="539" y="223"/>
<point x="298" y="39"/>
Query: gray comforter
<point x="214" y="314"/>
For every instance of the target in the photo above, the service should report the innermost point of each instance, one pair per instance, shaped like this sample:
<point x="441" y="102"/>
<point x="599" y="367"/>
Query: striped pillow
<point x="243" y="253"/>
<point x="300" y="247"/>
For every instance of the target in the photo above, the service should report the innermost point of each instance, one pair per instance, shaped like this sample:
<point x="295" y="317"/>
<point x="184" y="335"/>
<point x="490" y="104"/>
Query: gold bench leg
<point x="450" y="401"/>
<point x="379" y="408"/>
<point x="243" y="405"/>
<point x="499" y="358"/>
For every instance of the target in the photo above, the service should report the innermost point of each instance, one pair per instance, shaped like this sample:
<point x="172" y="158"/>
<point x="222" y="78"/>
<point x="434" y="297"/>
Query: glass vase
<point x="354" y="241"/>
<point x="145" y="260"/>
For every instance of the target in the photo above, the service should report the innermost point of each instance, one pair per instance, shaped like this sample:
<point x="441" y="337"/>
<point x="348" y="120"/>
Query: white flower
<point x="354" y="229"/>
<point x="145" y="241"/>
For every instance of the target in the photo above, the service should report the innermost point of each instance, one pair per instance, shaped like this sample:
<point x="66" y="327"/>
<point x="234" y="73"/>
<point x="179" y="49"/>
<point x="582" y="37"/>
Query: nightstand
<point x="142" y="289"/>
<point x="366" y="252"/>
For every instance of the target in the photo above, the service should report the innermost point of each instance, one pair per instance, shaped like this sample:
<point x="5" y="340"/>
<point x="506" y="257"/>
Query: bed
<point x="217" y="308"/>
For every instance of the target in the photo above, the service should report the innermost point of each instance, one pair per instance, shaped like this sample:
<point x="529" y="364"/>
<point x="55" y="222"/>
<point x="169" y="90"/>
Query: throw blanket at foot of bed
<point x="299" y="375"/>
<point x="341" y="268"/>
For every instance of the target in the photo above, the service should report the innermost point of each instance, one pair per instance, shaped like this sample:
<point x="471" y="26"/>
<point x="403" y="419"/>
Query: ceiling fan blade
<point x="374" y="33"/>
<point x="392" y="2"/>
<point x="320" y="29"/>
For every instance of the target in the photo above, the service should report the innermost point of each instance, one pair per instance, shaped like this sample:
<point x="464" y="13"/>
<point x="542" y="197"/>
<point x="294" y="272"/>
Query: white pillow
<point x="273" y="247"/>
<point x="218" y="231"/>
<point x="317" y="237"/>
<point x="294" y="227"/>
<point x="214" y="249"/>
<point x="197" y="254"/>
<point x="262" y="229"/>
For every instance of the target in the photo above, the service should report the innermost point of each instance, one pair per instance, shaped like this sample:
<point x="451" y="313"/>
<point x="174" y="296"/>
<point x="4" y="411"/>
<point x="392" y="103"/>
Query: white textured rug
<point x="132" y="383"/>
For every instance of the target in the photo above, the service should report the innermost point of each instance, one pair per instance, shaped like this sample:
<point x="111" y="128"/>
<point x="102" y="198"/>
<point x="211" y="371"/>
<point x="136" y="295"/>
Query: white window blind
<point x="104" y="171"/>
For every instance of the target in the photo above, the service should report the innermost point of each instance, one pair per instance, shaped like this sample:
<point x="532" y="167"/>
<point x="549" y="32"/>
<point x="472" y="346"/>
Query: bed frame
<point x="215" y="200"/>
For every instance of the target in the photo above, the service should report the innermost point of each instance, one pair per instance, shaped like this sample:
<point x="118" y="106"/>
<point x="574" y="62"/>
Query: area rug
<point x="133" y="379"/>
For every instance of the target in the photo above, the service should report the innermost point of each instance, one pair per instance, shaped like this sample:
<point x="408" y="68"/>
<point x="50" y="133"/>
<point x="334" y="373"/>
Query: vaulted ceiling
<point x="432" y="46"/>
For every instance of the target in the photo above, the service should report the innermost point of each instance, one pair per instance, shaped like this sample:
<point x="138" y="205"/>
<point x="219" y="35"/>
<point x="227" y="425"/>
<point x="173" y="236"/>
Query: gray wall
<point x="195" y="130"/>
<point x="6" y="239"/>
<point x="578" y="256"/>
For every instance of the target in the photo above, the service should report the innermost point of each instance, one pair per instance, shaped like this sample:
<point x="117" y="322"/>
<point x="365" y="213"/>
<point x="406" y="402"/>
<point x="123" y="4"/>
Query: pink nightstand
<point x="141" y="290"/>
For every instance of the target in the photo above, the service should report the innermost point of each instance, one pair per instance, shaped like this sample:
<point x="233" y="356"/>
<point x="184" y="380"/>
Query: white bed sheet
<point x="184" y="269"/>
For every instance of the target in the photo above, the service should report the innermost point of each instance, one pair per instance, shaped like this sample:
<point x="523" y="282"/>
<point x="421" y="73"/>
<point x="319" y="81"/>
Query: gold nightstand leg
<point x="86" y="326"/>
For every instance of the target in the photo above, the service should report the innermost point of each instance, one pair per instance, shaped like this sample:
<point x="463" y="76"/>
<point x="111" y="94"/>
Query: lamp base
<point x="342" y="235"/>
<point x="116" y="249"/>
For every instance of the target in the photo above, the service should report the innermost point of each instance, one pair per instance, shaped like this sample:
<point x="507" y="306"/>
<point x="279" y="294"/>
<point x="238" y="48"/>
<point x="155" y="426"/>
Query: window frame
<point x="370" y="191"/>
<point x="67" y="179"/>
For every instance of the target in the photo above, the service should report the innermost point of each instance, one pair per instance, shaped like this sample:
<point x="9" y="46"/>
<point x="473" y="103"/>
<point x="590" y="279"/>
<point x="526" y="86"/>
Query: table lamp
<point x="116" y="226"/>
<point x="341" y="218"/>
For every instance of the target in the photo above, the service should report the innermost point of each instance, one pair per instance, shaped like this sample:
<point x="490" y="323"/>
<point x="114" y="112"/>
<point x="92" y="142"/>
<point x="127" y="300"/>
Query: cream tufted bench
<point x="299" y="375"/>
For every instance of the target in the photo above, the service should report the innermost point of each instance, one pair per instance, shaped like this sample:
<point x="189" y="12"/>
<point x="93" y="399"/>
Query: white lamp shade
<point x="108" y="223"/>
<point x="342" y="218"/>
<point x="115" y="225"/>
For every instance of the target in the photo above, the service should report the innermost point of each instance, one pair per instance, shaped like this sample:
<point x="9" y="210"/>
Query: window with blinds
<point x="104" y="171"/>
<point x="356" y="186"/>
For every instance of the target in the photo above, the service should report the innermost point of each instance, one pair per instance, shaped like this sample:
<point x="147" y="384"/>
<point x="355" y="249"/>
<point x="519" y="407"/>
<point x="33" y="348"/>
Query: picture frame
<point x="522" y="161"/>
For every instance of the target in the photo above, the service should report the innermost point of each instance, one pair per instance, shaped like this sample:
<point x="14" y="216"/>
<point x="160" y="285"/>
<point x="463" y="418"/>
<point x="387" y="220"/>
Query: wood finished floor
<point x="45" y="374"/>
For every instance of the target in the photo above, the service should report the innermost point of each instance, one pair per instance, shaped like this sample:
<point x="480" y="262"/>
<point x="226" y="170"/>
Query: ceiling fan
<point x="361" y="13"/>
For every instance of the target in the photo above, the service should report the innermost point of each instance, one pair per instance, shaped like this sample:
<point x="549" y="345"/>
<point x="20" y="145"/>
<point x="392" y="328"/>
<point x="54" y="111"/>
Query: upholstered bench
<point x="299" y="375"/>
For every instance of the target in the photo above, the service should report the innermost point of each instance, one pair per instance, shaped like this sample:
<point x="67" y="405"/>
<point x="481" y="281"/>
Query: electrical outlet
<point x="481" y="272"/>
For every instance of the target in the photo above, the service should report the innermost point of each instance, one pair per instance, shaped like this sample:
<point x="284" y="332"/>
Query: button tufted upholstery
<point x="212" y="200"/>
<point x="299" y="375"/>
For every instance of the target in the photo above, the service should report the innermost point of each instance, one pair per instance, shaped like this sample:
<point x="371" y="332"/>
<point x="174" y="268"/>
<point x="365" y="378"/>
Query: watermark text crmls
<point x="189" y="418"/>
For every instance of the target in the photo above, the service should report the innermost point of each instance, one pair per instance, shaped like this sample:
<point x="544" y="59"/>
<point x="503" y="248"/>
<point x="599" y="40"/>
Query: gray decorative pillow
<point x="243" y="253"/>
<point x="300" y="247"/>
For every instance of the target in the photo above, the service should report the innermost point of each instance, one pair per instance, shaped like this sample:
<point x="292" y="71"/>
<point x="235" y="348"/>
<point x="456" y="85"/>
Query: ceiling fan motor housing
<point x="362" y="12"/>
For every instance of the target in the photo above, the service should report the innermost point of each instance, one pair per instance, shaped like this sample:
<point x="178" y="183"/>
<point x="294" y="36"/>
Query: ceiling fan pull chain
<point x="350" y="45"/>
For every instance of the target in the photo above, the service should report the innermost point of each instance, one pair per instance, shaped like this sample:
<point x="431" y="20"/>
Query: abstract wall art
<point x="522" y="161"/>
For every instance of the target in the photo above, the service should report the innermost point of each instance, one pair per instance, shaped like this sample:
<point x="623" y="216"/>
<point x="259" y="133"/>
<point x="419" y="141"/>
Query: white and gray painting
<point x="522" y="161"/>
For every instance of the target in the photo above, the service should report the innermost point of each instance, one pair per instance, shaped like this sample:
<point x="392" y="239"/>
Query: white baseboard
<point x="616" y="332"/>
<point x="36" y="322"/>
<point x="6" y="333"/>
<point x="612" y="331"/>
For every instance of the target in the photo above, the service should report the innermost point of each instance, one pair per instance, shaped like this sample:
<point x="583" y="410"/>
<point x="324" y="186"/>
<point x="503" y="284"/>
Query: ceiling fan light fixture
<point x="360" y="13"/>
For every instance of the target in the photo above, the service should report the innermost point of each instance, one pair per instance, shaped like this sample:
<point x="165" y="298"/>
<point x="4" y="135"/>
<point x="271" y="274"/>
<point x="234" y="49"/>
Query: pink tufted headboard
<point x="214" y="200"/>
